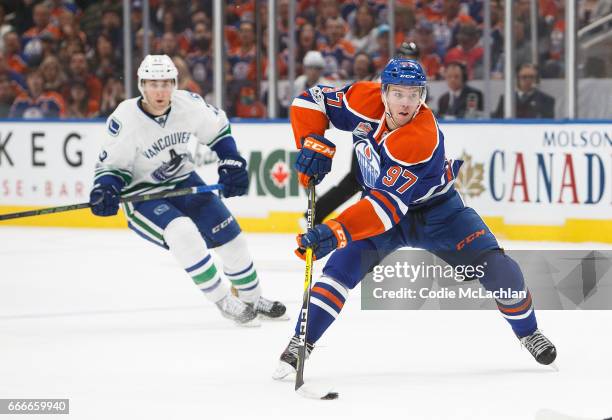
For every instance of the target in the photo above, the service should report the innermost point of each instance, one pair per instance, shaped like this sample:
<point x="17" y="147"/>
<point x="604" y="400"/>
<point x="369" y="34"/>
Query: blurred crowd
<point x="64" y="58"/>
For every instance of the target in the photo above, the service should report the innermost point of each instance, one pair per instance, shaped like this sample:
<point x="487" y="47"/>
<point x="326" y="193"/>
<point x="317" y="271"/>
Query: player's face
<point x="158" y="94"/>
<point x="403" y="102"/>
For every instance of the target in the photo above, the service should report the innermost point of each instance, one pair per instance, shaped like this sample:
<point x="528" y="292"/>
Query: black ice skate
<point x="288" y="360"/>
<point x="268" y="309"/>
<point x="233" y="308"/>
<point x="540" y="347"/>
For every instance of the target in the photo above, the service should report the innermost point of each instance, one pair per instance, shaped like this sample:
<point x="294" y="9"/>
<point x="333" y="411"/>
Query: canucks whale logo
<point x="169" y="169"/>
<point x="369" y="163"/>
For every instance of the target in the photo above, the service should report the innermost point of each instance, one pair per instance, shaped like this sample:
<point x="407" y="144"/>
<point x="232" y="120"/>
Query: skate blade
<point x="554" y="367"/>
<point x="307" y="391"/>
<point x="267" y="318"/>
<point x="254" y="323"/>
<point x="283" y="370"/>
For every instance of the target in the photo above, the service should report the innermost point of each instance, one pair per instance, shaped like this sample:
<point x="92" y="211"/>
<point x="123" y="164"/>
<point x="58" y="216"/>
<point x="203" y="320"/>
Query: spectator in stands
<point x="381" y="55"/>
<point x="307" y="41"/>
<point x="138" y="51"/>
<point x="53" y="75"/>
<point x="36" y="103"/>
<point x="112" y="95"/>
<point x="59" y="8"/>
<point x="327" y="9"/>
<point x="136" y="15"/>
<point x="111" y="27"/>
<point x="169" y="45"/>
<point x="461" y="100"/>
<point x="79" y="105"/>
<point x="169" y="21"/>
<point x="12" y="53"/>
<point x="70" y="29"/>
<point x="99" y="16"/>
<point x="446" y="23"/>
<point x="363" y="32"/>
<point x="69" y="48"/>
<point x="49" y="45"/>
<point x="338" y="52"/>
<point x="5" y="27"/>
<point x="530" y="101"/>
<point x="313" y="65"/>
<point x="363" y="67"/>
<point x="17" y="80"/>
<point x="32" y="45"/>
<point x="248" y="105"/>
<point x="404" y="24"/>
<point x="7" y="95"/>
<point x="185" y="80"/>
<point x="78" y="69"/>
<point x="106" y="60"/>
<point x="200" y="59"/>
<point x="467" y="51"/>
<point x="242" y="59"/>
<point x="429" y="58"/>
<point x="170" y="26"/>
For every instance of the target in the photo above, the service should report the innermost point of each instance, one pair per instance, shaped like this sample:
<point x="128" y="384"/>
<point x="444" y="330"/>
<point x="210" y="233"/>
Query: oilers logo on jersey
<point x="369" y="163"/>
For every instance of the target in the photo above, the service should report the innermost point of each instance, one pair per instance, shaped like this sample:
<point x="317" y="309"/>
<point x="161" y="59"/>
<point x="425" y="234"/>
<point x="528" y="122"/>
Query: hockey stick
<point x="132" y="199"/>
<point x="300" y="388"/>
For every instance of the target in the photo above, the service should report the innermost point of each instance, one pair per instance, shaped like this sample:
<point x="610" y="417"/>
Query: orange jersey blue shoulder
<point x="399" y="168"/>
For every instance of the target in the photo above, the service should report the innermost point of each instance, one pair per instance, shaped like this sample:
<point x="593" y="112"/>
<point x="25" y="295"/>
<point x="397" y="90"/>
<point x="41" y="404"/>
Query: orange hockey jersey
<point x="399" y="169"/>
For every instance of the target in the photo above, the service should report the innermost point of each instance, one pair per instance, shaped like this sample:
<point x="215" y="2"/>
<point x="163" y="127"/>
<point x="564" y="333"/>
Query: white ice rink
<point x="110" y="322"/>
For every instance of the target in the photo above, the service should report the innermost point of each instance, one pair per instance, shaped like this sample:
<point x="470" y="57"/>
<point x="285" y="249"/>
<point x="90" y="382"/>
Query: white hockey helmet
<point x="156" y="67"/>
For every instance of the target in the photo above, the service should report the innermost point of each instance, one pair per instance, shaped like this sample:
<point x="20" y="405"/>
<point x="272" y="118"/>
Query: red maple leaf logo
<point x="280" y="174"/>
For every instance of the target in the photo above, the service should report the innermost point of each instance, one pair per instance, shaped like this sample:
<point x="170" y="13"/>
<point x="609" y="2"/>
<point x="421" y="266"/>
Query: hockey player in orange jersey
<point x="408" y="200"/>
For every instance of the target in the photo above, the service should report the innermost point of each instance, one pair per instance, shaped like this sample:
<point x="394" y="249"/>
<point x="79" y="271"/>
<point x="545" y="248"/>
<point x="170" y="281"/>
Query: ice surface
<point x="110" y="321"/>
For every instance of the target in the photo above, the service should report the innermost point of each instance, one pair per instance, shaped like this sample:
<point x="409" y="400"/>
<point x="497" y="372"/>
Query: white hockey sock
<point x="239" y="269"/>
<point x="189" y="248"/>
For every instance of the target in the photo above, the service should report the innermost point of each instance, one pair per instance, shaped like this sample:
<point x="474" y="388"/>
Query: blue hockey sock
<point x="326" y="300"/>
<point x="503" y="273"/>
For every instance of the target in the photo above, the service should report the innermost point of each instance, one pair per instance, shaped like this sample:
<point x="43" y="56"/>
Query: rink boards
<point x="530" y="181"/>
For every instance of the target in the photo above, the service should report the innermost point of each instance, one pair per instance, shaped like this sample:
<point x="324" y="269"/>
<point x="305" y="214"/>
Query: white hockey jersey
<point x="152" y="155"/>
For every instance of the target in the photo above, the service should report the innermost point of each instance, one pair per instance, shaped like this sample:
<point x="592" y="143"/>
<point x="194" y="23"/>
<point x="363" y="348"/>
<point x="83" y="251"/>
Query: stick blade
<point x="316" y="394"/>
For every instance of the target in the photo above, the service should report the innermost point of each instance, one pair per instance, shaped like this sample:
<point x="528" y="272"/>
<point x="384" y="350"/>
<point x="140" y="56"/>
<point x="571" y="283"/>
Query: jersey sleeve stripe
<point x="361" y="220"/>
<point x="303" y="103"/>
<point x="380" y="212"/>
<point x="403" y="208"/>
<point x="386" y="205"/>
<point x="127" y="179"/>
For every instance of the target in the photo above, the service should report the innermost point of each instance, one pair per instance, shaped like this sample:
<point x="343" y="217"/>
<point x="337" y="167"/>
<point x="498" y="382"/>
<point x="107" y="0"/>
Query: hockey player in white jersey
<point x="148" y="147"/>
